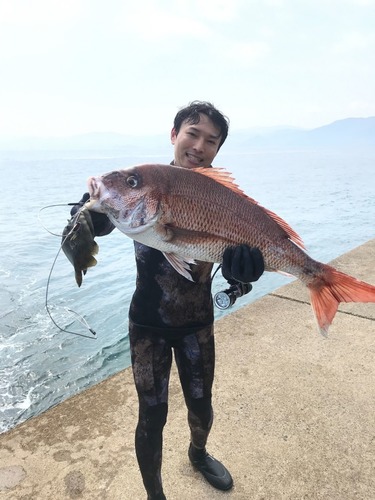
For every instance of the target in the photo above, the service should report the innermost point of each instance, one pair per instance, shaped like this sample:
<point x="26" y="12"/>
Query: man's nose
<point x="199" y="144"/>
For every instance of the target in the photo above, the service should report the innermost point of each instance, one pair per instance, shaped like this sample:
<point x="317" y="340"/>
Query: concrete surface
<point x="294" y="416"/>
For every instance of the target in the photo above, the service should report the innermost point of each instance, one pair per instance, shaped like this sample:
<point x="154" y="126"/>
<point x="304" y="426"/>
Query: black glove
<point x="242" y="264"/>
<point x="101" y="224"/>
<point x="80" y="204"/>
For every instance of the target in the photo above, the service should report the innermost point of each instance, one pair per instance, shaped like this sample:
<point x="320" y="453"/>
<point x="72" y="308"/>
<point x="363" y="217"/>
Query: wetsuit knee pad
<point x="155" y="417"/>
<point x="202" y="409"/>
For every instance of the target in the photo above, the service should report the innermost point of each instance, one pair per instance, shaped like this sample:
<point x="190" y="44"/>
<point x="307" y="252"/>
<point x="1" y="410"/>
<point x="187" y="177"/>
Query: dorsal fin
<point x="225" y="178"/>
<point x="222" y="176"/>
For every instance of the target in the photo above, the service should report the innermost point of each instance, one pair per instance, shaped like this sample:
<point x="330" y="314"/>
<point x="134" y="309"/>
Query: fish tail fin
<point x="330" y="288"/>
<point x="79" y="269"/>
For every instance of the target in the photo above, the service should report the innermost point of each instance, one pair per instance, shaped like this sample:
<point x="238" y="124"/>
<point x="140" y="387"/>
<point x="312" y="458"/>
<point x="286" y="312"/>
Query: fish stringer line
<point x="80" y="318"/>
<point x="52" y="206"/>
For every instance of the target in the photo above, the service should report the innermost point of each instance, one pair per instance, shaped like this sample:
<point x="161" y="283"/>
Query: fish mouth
<point x="95" y="187"/>
<point x="94" y="184"/>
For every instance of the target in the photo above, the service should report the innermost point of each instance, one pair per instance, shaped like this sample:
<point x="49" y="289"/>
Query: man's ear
<point x="173" y="135"/>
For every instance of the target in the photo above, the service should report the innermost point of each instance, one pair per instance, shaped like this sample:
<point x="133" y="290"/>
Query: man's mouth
<point x="194" y="159"/>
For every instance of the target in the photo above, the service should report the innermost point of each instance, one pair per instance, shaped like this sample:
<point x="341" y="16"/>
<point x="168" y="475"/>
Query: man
<point x="169" y="312"/>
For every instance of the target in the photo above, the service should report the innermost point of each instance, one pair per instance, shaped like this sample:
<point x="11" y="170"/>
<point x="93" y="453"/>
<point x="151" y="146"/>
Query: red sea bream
<point x="195" y="214"/>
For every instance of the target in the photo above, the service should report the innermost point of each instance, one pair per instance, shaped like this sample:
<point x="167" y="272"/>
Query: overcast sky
<point x="76" y="66"/>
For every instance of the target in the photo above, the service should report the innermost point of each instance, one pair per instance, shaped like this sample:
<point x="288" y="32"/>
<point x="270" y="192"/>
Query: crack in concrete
<point x="309" y="304"/>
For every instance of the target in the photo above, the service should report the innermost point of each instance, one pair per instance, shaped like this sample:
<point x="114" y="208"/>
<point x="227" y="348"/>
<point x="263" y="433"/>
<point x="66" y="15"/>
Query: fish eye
<point x="132" y="181"/>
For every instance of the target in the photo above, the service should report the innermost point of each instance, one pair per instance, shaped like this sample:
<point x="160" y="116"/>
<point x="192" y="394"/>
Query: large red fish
<point x="195" y="214"/>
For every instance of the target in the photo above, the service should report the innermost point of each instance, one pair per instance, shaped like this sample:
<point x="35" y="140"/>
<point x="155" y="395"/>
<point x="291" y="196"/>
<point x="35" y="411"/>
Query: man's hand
<point x="242" y="264"/>
<point x="101" y="224"/>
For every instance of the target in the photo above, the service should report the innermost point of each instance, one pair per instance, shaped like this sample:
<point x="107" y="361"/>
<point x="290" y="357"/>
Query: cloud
<point x="38" y="12"/>
<point x="247" y="53"/>
<point x="361" y="107"/>
<point x="189" y="21"/>
<point x="165" y="19"/>
<point x="364" y="3"/>
<point x="80" y="65"/>
<point x="354" y="41"/>
<point x="217" y="10"/>
<point x="35" y="26"/>
<point x="154" y="21"/>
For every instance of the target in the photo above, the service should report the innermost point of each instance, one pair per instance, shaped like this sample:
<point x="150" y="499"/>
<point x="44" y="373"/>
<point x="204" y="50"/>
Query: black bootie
<point x="159" y="496"/>
<point x="213" y="470"/>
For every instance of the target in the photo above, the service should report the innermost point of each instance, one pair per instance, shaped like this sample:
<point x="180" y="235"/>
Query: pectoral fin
<point x="180" y="264"/>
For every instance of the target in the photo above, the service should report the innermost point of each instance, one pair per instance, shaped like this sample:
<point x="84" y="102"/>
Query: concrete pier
<point x="294" y="414"/>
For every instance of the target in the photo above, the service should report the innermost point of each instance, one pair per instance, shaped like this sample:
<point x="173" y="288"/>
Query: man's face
<point x="196" y="145"/>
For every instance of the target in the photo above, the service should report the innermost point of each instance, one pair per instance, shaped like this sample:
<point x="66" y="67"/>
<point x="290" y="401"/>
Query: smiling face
<point x="196" y="145"/>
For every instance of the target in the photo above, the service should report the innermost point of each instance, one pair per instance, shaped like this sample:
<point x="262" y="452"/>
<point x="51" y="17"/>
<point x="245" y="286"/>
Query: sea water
<point x="327" y="197"/>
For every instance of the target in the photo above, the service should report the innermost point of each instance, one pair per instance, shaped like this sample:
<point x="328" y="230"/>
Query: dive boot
<point x="213" y="470"/>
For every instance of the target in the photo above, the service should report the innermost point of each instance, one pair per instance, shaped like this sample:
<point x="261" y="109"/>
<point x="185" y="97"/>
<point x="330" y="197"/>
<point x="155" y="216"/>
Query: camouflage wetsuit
<point x="169" y="312"/>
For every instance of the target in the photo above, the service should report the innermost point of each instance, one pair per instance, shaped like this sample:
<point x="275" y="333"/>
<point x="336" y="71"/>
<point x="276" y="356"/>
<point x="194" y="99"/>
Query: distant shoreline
<point x="349" y="133"/>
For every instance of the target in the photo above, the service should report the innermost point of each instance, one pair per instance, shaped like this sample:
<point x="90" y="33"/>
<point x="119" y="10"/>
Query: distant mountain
<point x="350" y="133"/>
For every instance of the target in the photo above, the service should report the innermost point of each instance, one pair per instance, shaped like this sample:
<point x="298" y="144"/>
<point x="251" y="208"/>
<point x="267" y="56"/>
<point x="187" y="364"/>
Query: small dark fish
<point x="78" y="243"/>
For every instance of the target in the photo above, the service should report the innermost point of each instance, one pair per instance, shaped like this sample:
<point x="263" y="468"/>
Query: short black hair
<point x="191" y="114"/>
